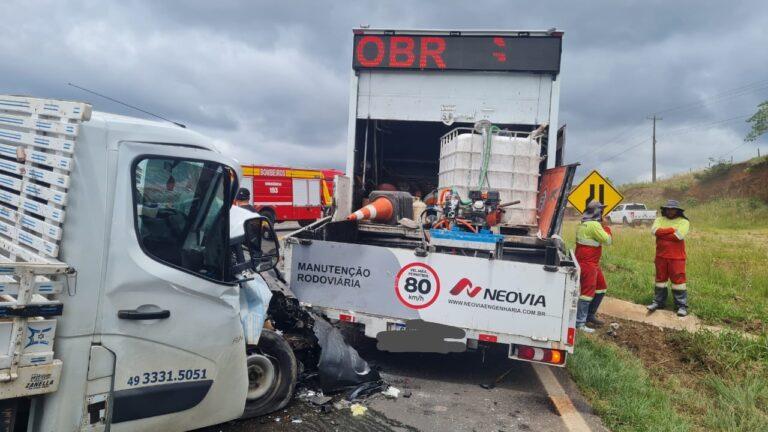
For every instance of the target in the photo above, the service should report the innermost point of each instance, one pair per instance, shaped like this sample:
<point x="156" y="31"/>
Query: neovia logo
<point x="37" y="337"/>
<point x="498" y="295"/>
<point x="465" y="284"/>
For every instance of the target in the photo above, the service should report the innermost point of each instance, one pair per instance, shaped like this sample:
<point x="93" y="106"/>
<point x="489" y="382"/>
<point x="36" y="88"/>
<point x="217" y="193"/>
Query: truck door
<point x="314" y="194"/>
<point x="169" y="309"/>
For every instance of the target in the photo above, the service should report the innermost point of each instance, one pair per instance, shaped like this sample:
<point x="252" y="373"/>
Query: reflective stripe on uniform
<point x="661" y="285"/>
<point x="679" y="287"/>
<point x="587" y="298"/>
<point x="592" y="233"/>
<point x="678" y="235"/>
<point x="600" y="291"/>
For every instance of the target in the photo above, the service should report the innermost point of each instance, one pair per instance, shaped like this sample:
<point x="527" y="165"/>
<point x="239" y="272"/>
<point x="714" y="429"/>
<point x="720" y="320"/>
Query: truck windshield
<point x="635" y="207"/>
<point x="180" y="214"/>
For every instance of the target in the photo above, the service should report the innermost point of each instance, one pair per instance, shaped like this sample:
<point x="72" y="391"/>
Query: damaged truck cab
<point x="121" y="297"/>
<point x="466" y="121"/>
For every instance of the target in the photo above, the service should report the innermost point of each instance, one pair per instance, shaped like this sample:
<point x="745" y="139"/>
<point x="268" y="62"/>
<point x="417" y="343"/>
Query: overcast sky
<point x="270" y="80"/>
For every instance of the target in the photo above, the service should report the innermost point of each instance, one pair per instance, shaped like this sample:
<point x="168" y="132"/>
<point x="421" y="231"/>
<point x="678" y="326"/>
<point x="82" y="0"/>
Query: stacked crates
<point x="37" y="142"/>
<point x="513" y="169"/>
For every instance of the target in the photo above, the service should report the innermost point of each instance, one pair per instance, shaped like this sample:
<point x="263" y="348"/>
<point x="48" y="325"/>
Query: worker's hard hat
<point x="594" y="211"/>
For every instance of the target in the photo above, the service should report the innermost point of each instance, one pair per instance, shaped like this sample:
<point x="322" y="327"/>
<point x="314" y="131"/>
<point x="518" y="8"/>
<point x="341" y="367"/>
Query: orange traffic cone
<point x="380" y="210"/>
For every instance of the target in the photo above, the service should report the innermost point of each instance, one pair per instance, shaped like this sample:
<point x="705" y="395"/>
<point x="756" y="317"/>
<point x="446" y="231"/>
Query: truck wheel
<point x="625" y="221"/>
<point x="272" y="371"/>
<point x="303" y="223"/>
<point x="608" y="220"/>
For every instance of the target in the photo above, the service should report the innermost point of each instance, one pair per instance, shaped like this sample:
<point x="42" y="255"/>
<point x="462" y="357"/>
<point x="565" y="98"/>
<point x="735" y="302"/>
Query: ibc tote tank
<point x="513" y="169"/>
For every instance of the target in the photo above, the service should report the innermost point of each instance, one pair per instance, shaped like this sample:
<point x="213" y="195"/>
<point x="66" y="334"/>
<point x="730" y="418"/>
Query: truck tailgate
<point x="498" y="296"/>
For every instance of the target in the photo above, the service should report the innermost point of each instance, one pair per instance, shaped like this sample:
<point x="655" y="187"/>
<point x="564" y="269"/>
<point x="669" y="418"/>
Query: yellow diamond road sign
<point x="595" y="187"/>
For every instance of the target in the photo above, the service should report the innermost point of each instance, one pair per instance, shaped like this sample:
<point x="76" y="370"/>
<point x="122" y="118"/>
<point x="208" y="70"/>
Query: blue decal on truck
<point x="37" y="337"/>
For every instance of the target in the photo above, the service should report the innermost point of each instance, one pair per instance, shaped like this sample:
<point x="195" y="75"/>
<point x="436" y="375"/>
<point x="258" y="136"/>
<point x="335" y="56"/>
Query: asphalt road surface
<point x="445" y="395"/>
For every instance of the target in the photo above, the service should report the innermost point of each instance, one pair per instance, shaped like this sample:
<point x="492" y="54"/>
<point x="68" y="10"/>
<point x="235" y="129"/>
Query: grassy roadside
<point x="680" y="382"/>
<point x="727" y="255"/>
<point x="620" y="390"/>
<point x="643" y="379"/>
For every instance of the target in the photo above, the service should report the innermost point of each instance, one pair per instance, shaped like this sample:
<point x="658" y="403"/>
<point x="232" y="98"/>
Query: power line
<point x="679" y="131"/>
<point x="727" y="94"/>
<point x="719" y="97"/>
<point x="697" y="126"/>
<point x="731" y="151"/>
<point x="624" y="151"/>
<point x="615" y="139"/>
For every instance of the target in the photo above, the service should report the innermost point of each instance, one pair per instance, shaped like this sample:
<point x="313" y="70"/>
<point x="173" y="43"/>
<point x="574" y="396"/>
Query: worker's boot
<point x="582" y="311"/>
<point x="681" y="302"/>
<point x="592" y="314"/>
<point x="659" y="299"/>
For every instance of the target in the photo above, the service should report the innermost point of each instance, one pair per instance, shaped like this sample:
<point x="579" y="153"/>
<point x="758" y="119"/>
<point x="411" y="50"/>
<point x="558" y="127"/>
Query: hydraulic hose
<point x="486" y="156"/>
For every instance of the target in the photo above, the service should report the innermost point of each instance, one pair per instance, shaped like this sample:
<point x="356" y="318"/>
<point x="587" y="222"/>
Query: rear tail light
<point x="347" y="318"/>
<point x="487" y="338"/>
<point x="571" y="336"/>
<point x="543" y="355"/>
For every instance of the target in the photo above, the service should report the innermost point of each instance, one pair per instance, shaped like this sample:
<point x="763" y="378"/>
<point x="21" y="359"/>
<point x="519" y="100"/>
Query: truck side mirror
<point x="262" y="243"/>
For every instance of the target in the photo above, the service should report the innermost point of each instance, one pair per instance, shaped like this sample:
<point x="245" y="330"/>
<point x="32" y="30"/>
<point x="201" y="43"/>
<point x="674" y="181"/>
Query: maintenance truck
<point x="467" y="120"/>
<point x="122" y="281"/>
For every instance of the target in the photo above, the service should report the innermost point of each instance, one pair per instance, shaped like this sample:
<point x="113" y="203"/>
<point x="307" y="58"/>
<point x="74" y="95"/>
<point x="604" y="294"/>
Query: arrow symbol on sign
<point x="601" y="194"/>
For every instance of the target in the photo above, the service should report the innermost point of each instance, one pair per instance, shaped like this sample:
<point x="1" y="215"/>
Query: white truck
<point x="423" y="104"/>
<point x="121" y="288"/>
<point x="631" y="214"/>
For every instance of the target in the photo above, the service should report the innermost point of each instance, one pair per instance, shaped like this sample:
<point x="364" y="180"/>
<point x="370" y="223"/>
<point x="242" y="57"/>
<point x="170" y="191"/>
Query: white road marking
<point x="574" y="422"/>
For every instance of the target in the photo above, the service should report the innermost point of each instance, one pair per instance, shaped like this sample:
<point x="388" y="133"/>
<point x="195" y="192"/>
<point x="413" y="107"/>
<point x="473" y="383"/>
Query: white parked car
<point x="631" y="214"/>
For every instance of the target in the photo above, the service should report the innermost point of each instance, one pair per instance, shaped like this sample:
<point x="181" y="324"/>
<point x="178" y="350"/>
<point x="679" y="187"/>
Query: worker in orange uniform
<point x="670" y="230"/>
<point x="591" y="235"/>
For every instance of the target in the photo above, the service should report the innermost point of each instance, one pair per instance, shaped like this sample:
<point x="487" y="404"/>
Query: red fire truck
<point x="288" y="194"/>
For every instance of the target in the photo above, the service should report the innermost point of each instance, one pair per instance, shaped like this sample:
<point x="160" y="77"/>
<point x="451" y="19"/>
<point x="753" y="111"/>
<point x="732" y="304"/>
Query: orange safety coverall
<point x="589" y="239"/>
<point x="670" y="251"/>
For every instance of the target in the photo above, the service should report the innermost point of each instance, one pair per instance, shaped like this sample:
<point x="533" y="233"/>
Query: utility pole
<point x="653" y="172"/>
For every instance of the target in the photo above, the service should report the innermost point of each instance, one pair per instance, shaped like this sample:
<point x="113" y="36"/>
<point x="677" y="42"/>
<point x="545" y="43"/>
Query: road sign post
<point x="595" y="187"/>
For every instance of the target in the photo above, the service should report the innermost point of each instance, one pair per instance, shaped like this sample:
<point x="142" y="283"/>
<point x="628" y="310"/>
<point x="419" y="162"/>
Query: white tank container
<point x="513" y="170"/>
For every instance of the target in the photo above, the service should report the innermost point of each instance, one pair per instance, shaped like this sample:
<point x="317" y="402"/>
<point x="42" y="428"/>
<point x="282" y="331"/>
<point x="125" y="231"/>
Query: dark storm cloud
<point x="269" y="80"/>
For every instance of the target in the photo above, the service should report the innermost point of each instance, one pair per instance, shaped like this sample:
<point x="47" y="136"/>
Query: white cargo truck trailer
<point x="449" y="112"/>
<point x="120" y="292"/>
